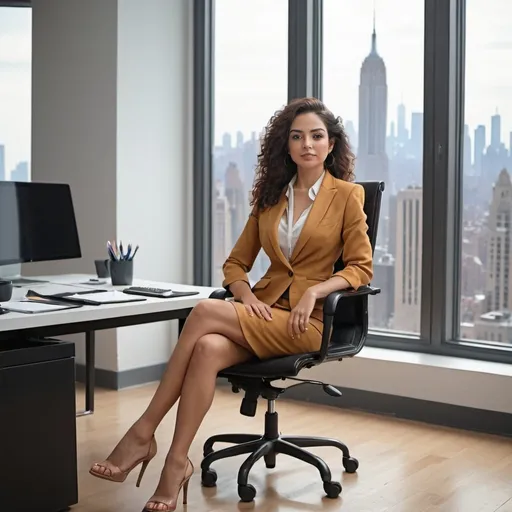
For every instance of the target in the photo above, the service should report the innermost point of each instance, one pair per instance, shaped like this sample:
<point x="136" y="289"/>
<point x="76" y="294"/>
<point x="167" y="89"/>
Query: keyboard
<point x="147" y="291"/>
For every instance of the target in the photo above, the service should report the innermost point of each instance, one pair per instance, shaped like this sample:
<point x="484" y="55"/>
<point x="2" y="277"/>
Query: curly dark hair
<point x="275" y="170"/>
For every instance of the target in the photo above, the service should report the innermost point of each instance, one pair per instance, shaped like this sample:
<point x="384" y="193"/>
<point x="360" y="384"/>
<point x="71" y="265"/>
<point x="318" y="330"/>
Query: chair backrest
<point x="373" y="197"/>
<point x="350" y="323"/>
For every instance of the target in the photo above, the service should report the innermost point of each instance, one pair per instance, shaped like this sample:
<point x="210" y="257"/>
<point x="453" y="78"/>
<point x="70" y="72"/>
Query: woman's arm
<point x="357" y="250"/>
<point x="242" y="257"/>
<point x="357" y="257"/>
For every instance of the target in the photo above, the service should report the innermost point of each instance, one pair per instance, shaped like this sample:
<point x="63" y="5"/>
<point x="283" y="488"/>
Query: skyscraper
<point x="496" y="131"/>
<point x="3" y="177"/>
<point x="499" y="249"/>
<point x="408" y="261"/>
<point x="372" y="160"/>
<point x="479" y="148"/>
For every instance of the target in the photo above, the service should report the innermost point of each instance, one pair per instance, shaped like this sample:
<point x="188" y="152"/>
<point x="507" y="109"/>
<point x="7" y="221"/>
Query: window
<point x="373" y="79"/>
<point x="486" y="282"/>
<point x="422" y="89"/>
<point x="251" y="76"/>
<point x="15" y="92"/>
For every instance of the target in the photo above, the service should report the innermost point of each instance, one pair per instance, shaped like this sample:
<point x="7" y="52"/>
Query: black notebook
<point x="90" y="297"/>
<point x="156" y="295"/>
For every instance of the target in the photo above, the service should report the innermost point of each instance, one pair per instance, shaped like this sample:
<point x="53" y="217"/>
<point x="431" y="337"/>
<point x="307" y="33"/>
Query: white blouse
<point x="288" y="233"/>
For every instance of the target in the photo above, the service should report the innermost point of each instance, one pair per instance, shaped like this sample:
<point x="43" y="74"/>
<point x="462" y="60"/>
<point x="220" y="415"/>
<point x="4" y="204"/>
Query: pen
<point x="111" y="252"/>
<point x="134" y="252"/>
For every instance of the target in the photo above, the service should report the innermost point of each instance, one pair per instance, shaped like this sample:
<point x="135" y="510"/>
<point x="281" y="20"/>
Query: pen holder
<point x="102" y="268"/>
<point x="121" y="272"/>
<point x="5" y="291"/>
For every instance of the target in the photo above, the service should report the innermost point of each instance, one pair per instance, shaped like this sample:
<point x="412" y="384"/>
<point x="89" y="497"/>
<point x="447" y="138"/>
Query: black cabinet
<point x="38" y="466"/>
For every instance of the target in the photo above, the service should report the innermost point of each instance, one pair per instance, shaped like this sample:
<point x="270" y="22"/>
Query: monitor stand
<point x="24" y="281"/>
<point x="13" y="273"/>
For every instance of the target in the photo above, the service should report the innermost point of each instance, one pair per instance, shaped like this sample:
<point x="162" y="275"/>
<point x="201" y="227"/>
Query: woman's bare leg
<point x="212" y="353"/>
<point x="211" y="316"/>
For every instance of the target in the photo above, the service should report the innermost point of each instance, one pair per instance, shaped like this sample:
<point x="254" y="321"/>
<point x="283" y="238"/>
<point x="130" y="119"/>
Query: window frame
<point x="444" y="38"/>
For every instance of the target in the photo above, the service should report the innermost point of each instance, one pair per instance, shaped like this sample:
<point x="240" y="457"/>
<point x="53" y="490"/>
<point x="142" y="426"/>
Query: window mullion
<point x="446" y="156"/>
<point x="203" y="26"/>
<point x="304" y="48"/>
<point x="429" y="162"/>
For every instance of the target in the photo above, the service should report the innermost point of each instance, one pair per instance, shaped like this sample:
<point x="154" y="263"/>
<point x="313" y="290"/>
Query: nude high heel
<point x="117" y="475"/>
<point x="172" y="503"/>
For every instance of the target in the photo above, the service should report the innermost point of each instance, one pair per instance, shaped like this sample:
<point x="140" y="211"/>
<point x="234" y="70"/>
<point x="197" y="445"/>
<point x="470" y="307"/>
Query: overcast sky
<point x="251" y="59"/>
<point x="15" y="83"/>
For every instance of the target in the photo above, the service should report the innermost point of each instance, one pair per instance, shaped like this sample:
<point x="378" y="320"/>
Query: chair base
<point x="267" y="447"/>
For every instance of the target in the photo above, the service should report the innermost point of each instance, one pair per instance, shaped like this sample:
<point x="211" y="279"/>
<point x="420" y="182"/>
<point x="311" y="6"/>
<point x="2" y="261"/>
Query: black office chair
<point x="344" y="335"/>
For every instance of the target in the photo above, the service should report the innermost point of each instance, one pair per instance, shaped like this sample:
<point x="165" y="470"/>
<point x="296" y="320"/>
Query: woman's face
<point x="308" y="142"/>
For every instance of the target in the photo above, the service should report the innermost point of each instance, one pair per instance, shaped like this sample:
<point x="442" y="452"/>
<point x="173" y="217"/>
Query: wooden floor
<point x="404" y="466"/>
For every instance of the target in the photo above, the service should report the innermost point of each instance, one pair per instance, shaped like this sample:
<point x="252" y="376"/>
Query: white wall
<point x="74" y="105"/>
<point x="110" y="117"/>
<point x="153" y="155"/>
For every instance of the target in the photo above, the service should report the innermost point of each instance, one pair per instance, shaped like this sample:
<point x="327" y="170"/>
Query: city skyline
<point x="505" y="134"/>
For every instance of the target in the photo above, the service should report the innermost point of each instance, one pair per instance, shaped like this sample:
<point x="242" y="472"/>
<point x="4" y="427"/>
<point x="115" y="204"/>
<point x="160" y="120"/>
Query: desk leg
<point x="181" y="324"/>
<point x="90" y="368"/>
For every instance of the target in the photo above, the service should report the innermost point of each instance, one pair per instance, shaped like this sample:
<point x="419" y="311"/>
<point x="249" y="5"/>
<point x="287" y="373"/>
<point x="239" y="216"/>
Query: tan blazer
<point x="336" y="224"/>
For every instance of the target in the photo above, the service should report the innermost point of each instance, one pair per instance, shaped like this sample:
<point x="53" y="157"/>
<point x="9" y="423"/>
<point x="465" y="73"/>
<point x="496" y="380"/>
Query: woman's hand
<point x="254" y="305"/>
<point x="299" y="315"/>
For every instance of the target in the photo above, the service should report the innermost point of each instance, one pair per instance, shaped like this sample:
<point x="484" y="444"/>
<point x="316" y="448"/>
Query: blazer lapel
<point x="320" y="206"/>
<point x="274" y="216"/>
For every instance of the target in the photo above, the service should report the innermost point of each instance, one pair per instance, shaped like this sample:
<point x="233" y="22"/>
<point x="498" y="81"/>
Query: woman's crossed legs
<point x="211" y="340"/>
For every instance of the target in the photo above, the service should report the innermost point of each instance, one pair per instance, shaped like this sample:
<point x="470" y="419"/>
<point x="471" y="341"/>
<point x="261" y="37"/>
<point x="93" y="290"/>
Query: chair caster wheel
<point x="270" y="460"/>
<point x="209" y="477"/>
<point x="332" y="489"/>
<point x="351" y="464"/>
<point x="246" y="493"/>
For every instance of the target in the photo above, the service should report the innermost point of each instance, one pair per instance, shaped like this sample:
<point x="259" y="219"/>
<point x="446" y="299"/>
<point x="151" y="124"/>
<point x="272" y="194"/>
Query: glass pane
<point x="251" y="83"/>
<point x="486" y="283"/>
<point x="373" y="79"/>
<point x="15" y="92"/>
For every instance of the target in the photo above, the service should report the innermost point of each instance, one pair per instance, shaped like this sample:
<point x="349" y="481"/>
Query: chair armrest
<point x="221" y="294"/>
<point x="331" y="301"/>
<point x="330" y="306"/>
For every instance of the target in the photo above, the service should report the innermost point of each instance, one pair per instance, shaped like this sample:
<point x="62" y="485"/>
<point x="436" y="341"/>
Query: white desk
<point x="88" y="319"/>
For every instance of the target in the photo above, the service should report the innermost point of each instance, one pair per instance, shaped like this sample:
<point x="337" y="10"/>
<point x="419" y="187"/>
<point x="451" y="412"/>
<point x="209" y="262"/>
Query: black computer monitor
<point x="37" y="223"/>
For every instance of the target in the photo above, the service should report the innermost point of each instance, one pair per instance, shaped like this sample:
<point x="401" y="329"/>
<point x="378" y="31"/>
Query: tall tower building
<point x="466" y="162"/>
<point x="495" y="131"/>
<point x="408" y="261"/>
<point x="3" y="176"/>
<point x="402" y="134"/>
<point x="417" y="135"/>
<point x="372" y="160"/>
<point x="222" y="239"/>
<point x="499" y="282"/>
<point x="234" y="191"/>
<point x="479" y="148"/>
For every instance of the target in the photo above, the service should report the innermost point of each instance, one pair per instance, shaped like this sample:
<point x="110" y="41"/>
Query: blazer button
<point x="290" y="273"/>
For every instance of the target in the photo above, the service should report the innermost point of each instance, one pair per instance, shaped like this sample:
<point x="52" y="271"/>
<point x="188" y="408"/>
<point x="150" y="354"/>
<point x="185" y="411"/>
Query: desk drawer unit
<point x="38" y="469"/>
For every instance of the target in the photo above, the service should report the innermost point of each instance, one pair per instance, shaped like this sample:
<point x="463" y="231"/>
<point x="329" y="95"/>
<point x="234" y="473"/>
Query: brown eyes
<point x="315" y="136"/>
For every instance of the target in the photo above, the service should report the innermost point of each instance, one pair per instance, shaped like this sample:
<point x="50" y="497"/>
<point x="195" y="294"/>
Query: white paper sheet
<point x="103" y="297"/>
<point x="30" y="307"/>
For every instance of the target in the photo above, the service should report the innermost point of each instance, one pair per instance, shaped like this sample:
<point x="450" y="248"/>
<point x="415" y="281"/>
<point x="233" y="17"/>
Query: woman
<point x="305" y="213"/>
